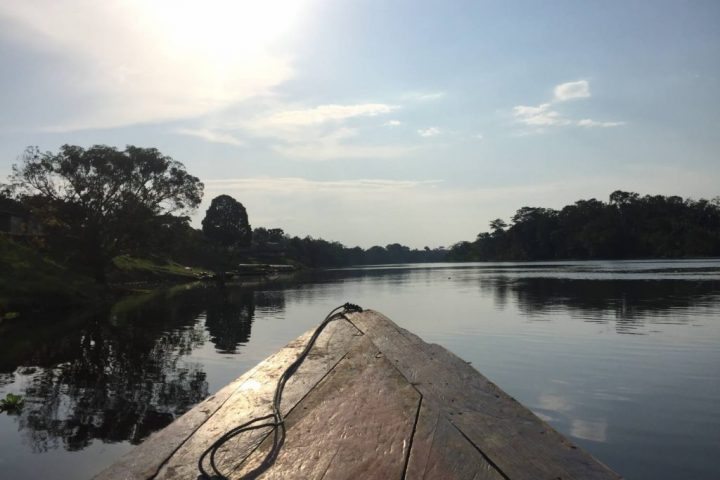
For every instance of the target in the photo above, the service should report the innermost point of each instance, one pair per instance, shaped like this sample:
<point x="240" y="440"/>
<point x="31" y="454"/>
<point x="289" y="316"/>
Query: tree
<point x="226" y="222"/>
<point x="498" y="226"/>
<point x="102" y="202"/>
<point x="262" y="236"/>
<point x="619" y="197"/>
<point x="628" y="226"/>
<point x="276" y="235"/>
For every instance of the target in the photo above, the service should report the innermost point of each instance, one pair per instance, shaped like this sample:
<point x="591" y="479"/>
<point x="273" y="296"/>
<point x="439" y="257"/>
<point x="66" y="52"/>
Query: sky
<point x="373" y="122"/>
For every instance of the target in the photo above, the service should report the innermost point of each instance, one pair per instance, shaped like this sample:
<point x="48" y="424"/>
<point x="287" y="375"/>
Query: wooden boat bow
<point x="371" y="400"/>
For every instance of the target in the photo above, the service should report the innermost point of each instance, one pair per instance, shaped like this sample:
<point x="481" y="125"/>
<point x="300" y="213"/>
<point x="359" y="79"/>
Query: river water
<point x="622" y="357"/>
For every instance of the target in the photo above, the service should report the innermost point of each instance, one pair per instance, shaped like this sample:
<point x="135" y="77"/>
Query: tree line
<point x="628" y="226"/>
<point x="99" y="203"/>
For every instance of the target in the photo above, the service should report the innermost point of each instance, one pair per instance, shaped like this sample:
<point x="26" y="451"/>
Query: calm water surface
<point x="623" y="357"/>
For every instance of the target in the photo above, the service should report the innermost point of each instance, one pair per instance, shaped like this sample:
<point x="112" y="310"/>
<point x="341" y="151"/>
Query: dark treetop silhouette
<point x="628" y="226"/>
<point x="226" y="222"/>
<point x="102" y="202"/>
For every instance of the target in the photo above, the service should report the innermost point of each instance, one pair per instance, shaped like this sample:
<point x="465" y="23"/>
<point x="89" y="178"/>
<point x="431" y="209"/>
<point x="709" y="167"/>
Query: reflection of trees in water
<point x="270" y="301"/>
<point x="119" y="374"/>
<point x="6" y="379"/>
<point x="629" y="302"/>
<point x="230" y="313"/>
<point x="229" y="318"/>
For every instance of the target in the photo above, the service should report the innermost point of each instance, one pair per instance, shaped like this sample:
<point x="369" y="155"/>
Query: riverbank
<point x="32" y="282"/>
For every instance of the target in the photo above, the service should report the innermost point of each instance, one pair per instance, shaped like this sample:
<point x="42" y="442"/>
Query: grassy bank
<point x="129" y="270"/>
<point x="30" y="280"/>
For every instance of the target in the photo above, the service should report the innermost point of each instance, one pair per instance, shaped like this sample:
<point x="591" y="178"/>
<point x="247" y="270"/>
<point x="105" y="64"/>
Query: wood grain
<point x="173" y="451"/>
<point x="517" y="442"/>
<point x="372" y="400"/>
<point x="254" y="398"/>
<point x="439" y="450"/>
<point x="357" y="423"/>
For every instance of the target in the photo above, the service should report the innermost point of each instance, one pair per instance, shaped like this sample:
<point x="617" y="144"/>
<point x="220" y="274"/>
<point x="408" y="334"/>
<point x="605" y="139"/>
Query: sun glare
<point x="225" y="30"/>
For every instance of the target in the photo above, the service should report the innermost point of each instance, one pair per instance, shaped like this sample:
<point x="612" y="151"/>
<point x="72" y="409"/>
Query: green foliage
<point x="264" y="236"/>
<point x="101" y="202"/>
<point x="274" y="246"/>
<point x="12" y="403"/>
<point x="321" y="253"/>
<point x="226" y="223"/>
<point x="29" y="278"/>
<point x="135" y="268"/>
<point x="628" y="226"/>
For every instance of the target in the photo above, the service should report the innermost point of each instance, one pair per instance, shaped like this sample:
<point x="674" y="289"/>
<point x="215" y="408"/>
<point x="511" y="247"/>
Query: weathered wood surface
<point x="176" y="448"/>
<point x="371" y="401"/>
<point x="355" y="424"/>
<point x="517" y="442"/>
<point x="254" y="399"/>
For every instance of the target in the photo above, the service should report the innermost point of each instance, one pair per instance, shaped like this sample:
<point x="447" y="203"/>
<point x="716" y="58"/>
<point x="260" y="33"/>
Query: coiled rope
<point x="276" y="419"/>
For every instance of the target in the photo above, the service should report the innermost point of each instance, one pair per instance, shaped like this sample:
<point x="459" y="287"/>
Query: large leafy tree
<point x="226" y="222"/>
<point x="101" y="202"/>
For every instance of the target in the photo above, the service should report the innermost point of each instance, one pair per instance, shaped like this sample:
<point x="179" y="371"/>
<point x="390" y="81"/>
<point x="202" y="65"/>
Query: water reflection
<point x="120" y="374"/>
<point x="117" y="375"/>
<point x="270" y="301"/>
<point x="557" y="408"/>
<point x="595" y="431"/>
<point x="229" y="318"/>
<point x="629" y="295"/>
<point x="629" y="303"/>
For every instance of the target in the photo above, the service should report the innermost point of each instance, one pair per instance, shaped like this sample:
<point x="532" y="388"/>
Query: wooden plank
<point x="357" y="423"/>
<point x="254" y="398"/>
<point x="439" y="450"/>
<point x="146" y="460"/>
<point x="518" y="443"/>
<point x="380" y="405"/>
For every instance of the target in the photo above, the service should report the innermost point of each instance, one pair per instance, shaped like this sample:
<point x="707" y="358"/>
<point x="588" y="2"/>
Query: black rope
<point x="277" y="423"/>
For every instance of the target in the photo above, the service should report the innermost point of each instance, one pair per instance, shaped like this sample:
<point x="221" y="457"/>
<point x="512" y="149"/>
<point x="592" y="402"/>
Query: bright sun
<point x="223" y="29"/>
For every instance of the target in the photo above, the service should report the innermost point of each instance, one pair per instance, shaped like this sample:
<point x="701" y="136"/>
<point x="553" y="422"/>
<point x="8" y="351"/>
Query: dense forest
<point x="191" y="246"/>
<point x="99" y="210"/>
<point x="628" y="226"/>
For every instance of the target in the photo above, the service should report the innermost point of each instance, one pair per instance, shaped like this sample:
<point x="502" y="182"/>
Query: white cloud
<point x="480" y="136"/>
<point x="321" y="132"/>
<point x="322" y="114"/>
<point x="322" y="151"/>
<point x="572" y="90"/>
<point x="587" y="122"/>
<point x="298" y="184"/>
<point x="429" y="132"/>
<point x="431" y="96"/>
<point x="541" y="116"/>
<point x="334" y="145"/>
<point x="317" y="133"/>
<point x="392" y="123"/>
<point x="135" y="61"/>
<point x="210" y="135"/>
<point x="424" y="96"/>
<point x="546" y="114"/>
